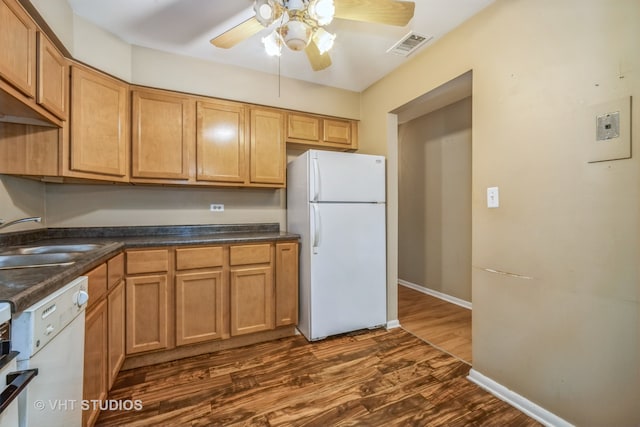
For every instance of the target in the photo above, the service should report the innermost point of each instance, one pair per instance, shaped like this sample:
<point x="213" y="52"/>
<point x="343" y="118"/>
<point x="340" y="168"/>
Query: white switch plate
<point x="612" y="143"/>
<point x="493" y="197"/>
<point x="216" y="207"/>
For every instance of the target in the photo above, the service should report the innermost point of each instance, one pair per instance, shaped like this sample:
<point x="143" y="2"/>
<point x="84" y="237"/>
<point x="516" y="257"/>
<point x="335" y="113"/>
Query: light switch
<point x="493" y="197"/>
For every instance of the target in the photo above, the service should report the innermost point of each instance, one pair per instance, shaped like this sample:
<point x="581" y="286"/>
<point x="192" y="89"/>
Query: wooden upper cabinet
<point x="303" y="127"/>
<point x="17" y="47"/>
<point x="99" y="141"/>
<point x="322" y="132"/>
<point x="162" y="135"/>
<point x="220" y="142"/>
<point x="53" y="78"/>
<point x="268" y="148"/>
<point x="337" y="131"/>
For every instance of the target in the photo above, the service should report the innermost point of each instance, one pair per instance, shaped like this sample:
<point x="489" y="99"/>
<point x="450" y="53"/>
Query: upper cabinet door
<point x="337" y="131"/>
<point x="303" y="127"/>
<point x="220" y="142"/>
<point x="99" y="125"/>
<point x="53" y="78"/>
<point x="17" y="47"/>
<point x="162" y="136"/>
<point x="268" y="148"/>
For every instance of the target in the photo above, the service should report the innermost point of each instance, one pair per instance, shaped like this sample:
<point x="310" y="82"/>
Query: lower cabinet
<point x="199" y="307"/>
<point x="286" y="275"/>
<point x="180" y="296"/>
<point x="146" y="313"/>
<point x="252" y="303"/>
<point x="104" y="334"/>
<point x="95" y="359"/>
<point x="116" y="337"/>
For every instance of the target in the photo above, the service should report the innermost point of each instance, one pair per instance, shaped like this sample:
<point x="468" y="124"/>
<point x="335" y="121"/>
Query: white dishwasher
<point x="50" y="337"/>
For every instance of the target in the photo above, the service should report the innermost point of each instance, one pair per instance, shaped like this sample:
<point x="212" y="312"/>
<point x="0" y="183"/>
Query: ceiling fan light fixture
<point x="296" y="34"/>
<point x="265" y="11"/>
<point x="272" y="44"/>
<point x="323" y="40"/>
<point x="322" y="11"/>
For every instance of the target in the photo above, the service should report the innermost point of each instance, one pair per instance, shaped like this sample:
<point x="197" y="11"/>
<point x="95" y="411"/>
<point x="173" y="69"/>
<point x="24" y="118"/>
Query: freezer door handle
<point x="316" y="179"/>
<point x="316" y="228"/>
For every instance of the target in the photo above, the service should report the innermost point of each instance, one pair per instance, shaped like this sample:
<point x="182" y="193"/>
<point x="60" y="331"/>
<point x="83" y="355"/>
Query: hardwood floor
<point x="438" y="322"/>
<point x="370" y="378"/>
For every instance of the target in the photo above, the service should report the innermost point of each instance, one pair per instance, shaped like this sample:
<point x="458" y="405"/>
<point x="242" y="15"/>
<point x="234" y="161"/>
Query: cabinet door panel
<point x="303" y="127"/>
<point x="95" y="359"/>
<point x="251" y="300"/>
<point x="99" y="124"/>
<point x="161" y="136"/>
<point x="268" y="152"/>
<point x="337" y="131"/>
<point x="17" y="47"/>
<point x="286" y="284"/>
<point x="115" y="303"/>
<point x="220" y="145"/>
<point x="53" y="78"/>
<point x="199" y="307"/>
<point x="146" y="317"/>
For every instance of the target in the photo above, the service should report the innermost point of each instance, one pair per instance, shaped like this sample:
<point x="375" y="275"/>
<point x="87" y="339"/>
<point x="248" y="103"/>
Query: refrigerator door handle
<point x="316" y="228"/>
<point x="316" y="179"/>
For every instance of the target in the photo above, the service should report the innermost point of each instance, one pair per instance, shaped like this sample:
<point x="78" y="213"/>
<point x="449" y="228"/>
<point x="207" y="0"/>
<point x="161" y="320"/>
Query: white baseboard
<point x="536" y="412"/>
<point x="392" y="324"/>
<point x="445" y="297"/>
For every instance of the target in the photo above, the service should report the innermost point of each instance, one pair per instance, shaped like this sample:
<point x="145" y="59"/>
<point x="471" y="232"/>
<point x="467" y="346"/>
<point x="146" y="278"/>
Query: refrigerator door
<point x="346" y="177"/>
<point x="348" y="268"/>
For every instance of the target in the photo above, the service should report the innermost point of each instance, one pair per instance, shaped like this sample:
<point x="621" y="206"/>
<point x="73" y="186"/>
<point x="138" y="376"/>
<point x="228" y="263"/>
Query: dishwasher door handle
<point x="18" y="381"/>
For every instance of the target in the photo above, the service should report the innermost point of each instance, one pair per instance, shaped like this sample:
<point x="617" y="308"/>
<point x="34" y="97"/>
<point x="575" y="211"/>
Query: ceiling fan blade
<point x="237" y="34"/>
<point x="318" y="61"/>
<point x="390" y="12"/>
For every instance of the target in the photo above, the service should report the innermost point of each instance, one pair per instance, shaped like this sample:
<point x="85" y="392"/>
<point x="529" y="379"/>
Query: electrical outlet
<point x="216" y="208"/>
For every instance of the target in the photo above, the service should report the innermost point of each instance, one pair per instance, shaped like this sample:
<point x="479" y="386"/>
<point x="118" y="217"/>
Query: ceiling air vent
<point x="408" y="44"/>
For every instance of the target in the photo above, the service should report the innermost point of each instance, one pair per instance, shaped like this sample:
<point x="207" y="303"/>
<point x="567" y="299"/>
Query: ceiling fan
<point x="299" y="24"/>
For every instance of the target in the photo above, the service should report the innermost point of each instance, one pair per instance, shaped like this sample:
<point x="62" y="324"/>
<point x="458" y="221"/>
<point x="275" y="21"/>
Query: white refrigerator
<point x="336" y="203"/>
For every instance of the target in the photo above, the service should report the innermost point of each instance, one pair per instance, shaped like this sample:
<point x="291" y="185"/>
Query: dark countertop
<point x="24" y="287"/>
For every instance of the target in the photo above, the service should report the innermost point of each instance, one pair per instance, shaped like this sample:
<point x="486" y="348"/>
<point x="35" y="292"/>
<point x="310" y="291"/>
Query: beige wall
<point x="434" y="200"/>
<point x="112" y="205"/>
<point x="21" y="198"/>
<point x="562" y="326"/>
<point x="96" y="205"/>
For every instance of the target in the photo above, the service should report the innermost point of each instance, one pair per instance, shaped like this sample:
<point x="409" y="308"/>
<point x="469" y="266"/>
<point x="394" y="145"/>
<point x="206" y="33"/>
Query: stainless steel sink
<point x="50" y="249"/>
<point x="36" y="260"/>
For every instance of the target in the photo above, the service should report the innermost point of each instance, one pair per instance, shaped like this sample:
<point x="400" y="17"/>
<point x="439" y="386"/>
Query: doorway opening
<point x="434" y="216"/>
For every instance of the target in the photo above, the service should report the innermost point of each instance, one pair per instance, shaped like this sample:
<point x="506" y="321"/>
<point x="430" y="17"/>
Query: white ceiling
<point x="185" y="27"/>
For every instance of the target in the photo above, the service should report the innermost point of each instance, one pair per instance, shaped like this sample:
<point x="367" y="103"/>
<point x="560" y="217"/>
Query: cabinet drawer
<point x="250" y="254"/>
<point x="188" y="258"/>
<point x="115" y="270"/>
<point x="147" y="261"/>
<point x="97" y="284"/>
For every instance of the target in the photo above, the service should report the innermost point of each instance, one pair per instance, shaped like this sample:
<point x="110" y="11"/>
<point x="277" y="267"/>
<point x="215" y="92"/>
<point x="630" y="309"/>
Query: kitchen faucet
<point x="18" y="221"/>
